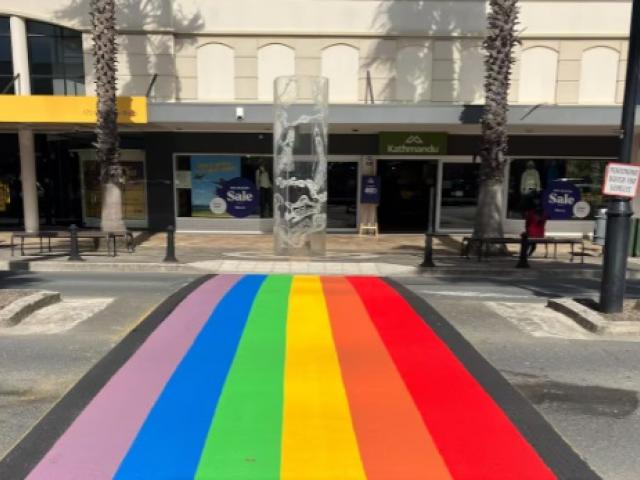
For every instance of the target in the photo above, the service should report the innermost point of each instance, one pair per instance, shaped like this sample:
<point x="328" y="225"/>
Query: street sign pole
<point x="619" y="212"/>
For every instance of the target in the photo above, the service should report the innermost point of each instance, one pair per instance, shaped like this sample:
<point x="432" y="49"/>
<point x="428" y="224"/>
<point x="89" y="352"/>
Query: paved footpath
<point x="293" y="377"/>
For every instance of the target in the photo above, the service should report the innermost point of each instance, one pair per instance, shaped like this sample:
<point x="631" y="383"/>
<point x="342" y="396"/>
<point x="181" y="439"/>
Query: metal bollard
<point x="524" y="244"/>
<point x="427" y="262"/>
<point x="74" y="250"/>
<point x="170" y="257"/>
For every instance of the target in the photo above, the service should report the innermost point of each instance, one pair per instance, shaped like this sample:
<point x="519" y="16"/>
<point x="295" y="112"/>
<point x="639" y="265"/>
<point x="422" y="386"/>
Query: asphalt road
<point x="37" y="369"/>
<point x="587" y="387"/>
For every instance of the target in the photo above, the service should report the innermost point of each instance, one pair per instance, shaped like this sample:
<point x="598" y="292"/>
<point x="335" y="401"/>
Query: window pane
<point x="534" y="179"/>
<point x="342" y="202"/>
<point x="459" y="195"/>
<point x="225" y="186"/>
<point x="4" y="26"/>
<point x="56" y="53"/>
<point x="41" y="85"/>
<point x="42" y="55"/>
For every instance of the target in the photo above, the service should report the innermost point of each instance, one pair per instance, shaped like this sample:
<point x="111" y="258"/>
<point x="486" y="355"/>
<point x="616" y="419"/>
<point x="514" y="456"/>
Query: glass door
<point x="342" y="202"/>
<point x="405" y="194"/>
<point x="459" y="198"/>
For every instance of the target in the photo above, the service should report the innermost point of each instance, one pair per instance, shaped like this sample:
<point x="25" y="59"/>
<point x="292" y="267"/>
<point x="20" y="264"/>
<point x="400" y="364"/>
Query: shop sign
<point x="67" y="109"/>
<point x="559" y="199"/>
<point x="413" y="143"/>
<point x="370" y="190"/>
<point x="240" y="196"/>
<point x="581" y="209"/>
<point x="621" y="180"/>
<point x="209" y="176"/>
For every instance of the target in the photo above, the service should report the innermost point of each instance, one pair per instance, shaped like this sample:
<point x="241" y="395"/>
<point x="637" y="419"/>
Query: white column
<point x="28" y="177"/>
<point x="20" y="56"/>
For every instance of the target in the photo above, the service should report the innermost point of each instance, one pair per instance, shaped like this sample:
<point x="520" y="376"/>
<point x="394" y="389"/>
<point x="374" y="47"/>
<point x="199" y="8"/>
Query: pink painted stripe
<point x="96" y="442"/>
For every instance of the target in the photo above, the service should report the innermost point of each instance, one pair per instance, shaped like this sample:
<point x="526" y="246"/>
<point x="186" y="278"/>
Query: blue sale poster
<point x="209" y="175"/>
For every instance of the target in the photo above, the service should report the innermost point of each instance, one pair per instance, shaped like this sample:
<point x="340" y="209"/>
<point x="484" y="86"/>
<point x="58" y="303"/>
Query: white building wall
<point x="538" y="75"/>
<point x="162" y="37"/>
<point x="215" y="72"/>
<point x="274" y="60"/>
<point x="599" y="75"/>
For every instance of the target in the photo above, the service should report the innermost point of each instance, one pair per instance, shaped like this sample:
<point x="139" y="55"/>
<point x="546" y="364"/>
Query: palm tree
<point x="105" y="48"/>
<point x="499" y="44"/>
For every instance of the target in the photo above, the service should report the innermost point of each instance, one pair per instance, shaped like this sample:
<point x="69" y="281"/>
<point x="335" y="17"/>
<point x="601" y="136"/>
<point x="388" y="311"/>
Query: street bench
<point x="483" y="244"/>
<point x="110" y="239"/>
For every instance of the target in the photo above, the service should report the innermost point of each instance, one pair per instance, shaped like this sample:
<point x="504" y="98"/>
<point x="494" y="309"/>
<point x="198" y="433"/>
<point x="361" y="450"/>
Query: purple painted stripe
<point x="96" y="442"/>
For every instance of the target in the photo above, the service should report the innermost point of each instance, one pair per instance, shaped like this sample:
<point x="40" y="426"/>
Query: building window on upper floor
<point x="6" y="62"/>
<point x="599" y="75"/>
<point x="216" y="72"/>
<point x="56" y="61"/>
<point x="538" y="75"/>
<point x="413" y="74"/>
<point x="341" y="65"/>
<point x="274" y="60"/>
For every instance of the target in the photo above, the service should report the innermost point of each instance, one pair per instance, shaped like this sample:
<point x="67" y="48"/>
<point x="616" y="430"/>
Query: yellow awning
<point x="63" y="109"/>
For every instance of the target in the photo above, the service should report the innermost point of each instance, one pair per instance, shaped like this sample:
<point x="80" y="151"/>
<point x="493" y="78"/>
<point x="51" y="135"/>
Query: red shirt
<point x="534" y="224"/>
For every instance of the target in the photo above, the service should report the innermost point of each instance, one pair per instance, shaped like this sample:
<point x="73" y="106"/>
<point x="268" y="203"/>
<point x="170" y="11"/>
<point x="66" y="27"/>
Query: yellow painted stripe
<point x="318" y="441"/>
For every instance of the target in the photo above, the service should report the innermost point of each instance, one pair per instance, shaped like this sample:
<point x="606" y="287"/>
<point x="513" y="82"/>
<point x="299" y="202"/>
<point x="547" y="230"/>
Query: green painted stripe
<point x="245" y="435"/>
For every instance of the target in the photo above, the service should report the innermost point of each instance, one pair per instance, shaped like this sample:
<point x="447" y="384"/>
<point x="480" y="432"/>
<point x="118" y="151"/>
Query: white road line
<point x="452" y="293"/>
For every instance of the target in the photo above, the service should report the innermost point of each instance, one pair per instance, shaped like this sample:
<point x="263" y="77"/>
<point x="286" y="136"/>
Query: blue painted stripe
<point x="170" y="442"/>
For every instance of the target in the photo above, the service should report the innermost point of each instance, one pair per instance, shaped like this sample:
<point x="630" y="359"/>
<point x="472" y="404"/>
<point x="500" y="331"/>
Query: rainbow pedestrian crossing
<point x="292" y="377"/>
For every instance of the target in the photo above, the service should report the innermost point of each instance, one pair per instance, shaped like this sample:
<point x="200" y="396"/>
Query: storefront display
<point x="134" y="195"/>
<point x="224" y="186"/>
<point x="570" y="189"/>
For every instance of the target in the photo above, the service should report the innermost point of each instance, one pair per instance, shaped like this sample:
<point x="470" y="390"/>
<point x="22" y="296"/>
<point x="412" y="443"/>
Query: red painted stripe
<point x="393" y="441"/>
<point x="474" y="436"/>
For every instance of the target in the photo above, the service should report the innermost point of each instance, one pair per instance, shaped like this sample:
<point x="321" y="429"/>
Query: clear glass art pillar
<point x="300" y="165"/>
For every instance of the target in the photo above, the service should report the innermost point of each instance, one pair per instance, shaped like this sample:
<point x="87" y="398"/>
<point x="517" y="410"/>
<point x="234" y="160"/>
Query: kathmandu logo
<point x="413" y="139"/>
<point x="415" y="145"/>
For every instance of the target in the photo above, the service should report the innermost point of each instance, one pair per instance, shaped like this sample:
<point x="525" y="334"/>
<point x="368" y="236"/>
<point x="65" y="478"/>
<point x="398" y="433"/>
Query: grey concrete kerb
<point x="592" y="320"/>
<point x="21" y="308"/>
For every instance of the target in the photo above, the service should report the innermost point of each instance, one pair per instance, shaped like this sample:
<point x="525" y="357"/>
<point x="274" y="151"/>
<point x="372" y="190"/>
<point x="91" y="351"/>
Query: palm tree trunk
<point x="105" y="50"/>
<point x="499" y="43"/>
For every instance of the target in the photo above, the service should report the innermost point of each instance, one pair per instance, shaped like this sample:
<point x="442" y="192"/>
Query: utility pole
<point x="616" y="249"/>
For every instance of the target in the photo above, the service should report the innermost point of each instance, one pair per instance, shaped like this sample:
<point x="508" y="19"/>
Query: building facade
<point x="406" y="95"/>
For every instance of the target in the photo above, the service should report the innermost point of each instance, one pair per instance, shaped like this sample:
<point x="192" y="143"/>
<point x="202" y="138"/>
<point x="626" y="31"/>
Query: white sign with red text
<point x="621" y="180"/>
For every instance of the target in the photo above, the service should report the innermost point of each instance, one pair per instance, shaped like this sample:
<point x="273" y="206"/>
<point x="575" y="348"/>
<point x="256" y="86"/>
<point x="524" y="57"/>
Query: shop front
<point x="234" y="192"/>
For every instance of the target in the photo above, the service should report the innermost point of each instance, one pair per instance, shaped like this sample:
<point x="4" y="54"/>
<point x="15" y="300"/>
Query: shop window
<point x="134" y="194"/>
<point x="224" y="186"/>
<point x="599" y="75"/>
<point x="340" y="64"/>
<point x="538" y="75"/>
<point x="273" y="61"/>
<point x="56" y="60"/>
<point x="6" y="62"/>
<point x="216" y="72"/>
<point x="459" y="195"/>
<point x="413" y="74"/>
<point x="342" y="202"/>
<point x="559" y="184"/>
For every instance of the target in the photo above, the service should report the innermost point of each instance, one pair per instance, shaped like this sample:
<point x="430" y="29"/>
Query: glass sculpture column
<point x="300" y="166"/>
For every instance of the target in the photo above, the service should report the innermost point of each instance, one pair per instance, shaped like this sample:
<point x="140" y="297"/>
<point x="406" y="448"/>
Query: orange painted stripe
<point x="394" y="442"/>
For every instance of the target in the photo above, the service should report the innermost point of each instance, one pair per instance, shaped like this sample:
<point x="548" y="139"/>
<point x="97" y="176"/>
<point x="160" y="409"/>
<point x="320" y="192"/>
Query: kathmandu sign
<point x="413" y="143"/>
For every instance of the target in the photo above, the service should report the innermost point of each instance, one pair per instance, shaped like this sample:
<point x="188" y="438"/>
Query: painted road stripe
<point x="318" y="441"/>
<point x="551" y="447"/>
<point x="393" y="440"/>
<point x="96" y="442"/>
<point x="475" y="437"/>
<point x="171" y="440"/>
<point x="244" y="439"/>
